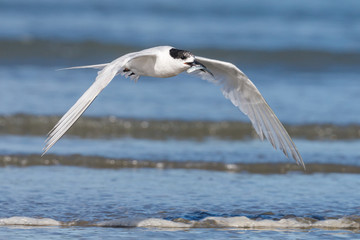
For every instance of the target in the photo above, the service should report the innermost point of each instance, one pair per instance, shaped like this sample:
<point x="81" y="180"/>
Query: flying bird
<point x="167" y="61"/>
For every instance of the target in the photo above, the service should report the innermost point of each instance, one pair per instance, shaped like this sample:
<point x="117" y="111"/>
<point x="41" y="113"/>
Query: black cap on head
<point x="179" y="54"/>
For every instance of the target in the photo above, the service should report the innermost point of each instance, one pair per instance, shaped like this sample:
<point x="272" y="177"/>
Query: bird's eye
<point x="183" y="57"/>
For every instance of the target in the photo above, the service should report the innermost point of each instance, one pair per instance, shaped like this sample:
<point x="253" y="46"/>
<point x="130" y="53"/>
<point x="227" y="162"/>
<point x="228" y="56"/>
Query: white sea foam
<point x="209" y="222"/>
<point x="294" y="223"/>
<point x="28" y="221"/>
<point x="236" y="222"/>
<point x="143" y="222"/>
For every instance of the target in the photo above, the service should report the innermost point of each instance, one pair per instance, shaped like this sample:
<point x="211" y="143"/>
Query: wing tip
<point x="44" y="151"/>
<point x="298" y="159"/>
<point x="46" y="148"/>
<point x="300" y="162"/>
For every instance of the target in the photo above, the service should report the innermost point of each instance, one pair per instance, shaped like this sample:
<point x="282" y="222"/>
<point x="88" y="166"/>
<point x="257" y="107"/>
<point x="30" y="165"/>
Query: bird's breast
<point x="155" y="67"/>
<point x="166" y="69"/>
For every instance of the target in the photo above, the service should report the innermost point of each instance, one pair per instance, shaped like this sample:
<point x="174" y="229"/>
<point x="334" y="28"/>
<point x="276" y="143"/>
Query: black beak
<point x="197" y="66"/>
<point x="195" y="63"/>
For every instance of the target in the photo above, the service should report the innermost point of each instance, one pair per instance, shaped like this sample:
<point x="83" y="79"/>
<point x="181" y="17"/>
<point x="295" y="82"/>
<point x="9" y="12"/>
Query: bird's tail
<point x="97" y="66"/>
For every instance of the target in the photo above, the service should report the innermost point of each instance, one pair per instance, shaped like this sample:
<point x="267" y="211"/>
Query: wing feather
<point x="238" y="88"/>
<point x="104" y="77"/>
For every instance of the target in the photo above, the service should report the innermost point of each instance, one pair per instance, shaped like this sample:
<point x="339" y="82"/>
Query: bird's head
<point x="187" y="61"/>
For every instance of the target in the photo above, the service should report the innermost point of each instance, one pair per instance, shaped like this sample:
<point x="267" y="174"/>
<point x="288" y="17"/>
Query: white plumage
<point x="166" y="61"/>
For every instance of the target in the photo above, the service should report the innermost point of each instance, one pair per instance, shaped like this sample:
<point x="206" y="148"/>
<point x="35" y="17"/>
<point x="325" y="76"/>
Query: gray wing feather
<point x="238" y="88"/>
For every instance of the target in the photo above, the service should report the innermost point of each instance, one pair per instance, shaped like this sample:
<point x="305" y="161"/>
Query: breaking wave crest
<point x="238" y="222"/>
<point x="241" y="222"/>
<point x="28" y="221"/>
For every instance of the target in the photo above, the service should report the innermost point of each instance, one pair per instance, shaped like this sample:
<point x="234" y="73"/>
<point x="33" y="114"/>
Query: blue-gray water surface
<point x="175" y="166"/>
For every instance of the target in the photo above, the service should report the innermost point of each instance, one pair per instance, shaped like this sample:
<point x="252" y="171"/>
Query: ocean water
<point x="172" y="158"/>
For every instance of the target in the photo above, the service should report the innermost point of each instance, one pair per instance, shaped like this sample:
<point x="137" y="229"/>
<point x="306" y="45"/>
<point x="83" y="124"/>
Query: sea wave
<point x="241" y="222"/>
<point x="115" y="127"/>
<point x="42" y="51"/>
<point x="114" y="163"/>
<point x="28" y="221"/>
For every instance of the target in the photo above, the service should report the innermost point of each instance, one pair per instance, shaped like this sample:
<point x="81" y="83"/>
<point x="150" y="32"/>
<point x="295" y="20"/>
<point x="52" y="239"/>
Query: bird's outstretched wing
<point x="238" y="88"/>
<point x="104" y="77"/>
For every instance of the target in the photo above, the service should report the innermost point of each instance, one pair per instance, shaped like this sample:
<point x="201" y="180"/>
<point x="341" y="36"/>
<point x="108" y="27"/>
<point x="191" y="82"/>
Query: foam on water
<point x="28" y="221"/>
<point x="244" y="222"/>
<point x="240" y="222"/>
<point x="143" y="222"/>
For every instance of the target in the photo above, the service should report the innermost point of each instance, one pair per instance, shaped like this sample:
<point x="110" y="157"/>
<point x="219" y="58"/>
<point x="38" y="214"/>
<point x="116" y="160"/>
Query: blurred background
<point x="303" y="56"/>
<point x="294" y="50"/>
